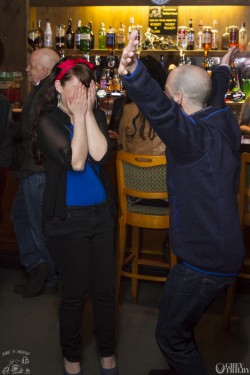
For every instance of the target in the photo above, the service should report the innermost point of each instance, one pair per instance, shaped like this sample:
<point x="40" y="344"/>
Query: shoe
<point x="36" y="280"/>
<point x="159" y="372"/>
<point x="19" y="289"/>
<point x="109" y="371"/>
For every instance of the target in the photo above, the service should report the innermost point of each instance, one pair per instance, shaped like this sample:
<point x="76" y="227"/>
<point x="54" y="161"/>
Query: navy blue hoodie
<point x="203" y="164"/>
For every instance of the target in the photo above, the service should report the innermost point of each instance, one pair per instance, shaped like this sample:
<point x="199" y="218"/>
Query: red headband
<point x="68" y="64"/>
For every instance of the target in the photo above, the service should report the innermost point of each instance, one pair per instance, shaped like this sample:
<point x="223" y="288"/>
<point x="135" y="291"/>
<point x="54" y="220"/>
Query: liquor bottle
<point x="207" y="38"/>
<point x="60" y="38"/>
<point x="48" y="35"/>
<point x="78" y="34"/>
<point x="110" y="38"/>
<point x="40" y="35"/>
<point x="215" y="36"/>
<point x="162" y="61"/>
<point x="102" y="37"/>
<point x="70" y="36"/>
<point x="131" y="26"/>
<point x="121" y="36"/>
<point x="33" y="37"/>
<point x="85" y="40"/>
<point x="92" y="37"/>
<point x="225" y="39"/>
<point x="243" y="37"/>
<point x="190" y="35"/>
<point x="199" y="36"/>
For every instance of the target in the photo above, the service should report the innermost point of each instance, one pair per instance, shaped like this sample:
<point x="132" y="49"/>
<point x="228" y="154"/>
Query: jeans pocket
<point x="215" y="286"/>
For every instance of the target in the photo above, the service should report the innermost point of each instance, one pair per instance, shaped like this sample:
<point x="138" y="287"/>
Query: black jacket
<point x="54" y="138"/>
<point x="203" y="164"/>
<point x="29" y="158"/>
<point x="6" y="145"/>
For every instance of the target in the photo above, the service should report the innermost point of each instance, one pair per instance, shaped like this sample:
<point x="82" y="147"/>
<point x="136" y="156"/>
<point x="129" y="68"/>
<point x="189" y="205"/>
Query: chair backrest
<point x="140" y="176"/>
<point x="244" y="190"/>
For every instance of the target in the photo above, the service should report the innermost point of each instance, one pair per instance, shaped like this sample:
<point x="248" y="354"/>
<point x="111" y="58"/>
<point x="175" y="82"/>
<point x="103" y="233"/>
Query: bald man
<point x="202" y="140"/>
<point x="27" y="207"/>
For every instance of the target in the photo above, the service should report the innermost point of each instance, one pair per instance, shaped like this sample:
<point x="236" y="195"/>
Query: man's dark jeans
<point x="26" y="216"/>
<point x="186" y="296"/>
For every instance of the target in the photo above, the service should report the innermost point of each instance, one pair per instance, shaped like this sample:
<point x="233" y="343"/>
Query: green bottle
<point x="102" y="37"/>
<point x="85" y="40"/>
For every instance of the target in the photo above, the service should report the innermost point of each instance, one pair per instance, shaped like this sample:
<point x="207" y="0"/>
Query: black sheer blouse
<point x="54" y="138"/>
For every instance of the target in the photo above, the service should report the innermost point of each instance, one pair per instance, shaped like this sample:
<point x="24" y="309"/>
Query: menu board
<point x="163" y="20"/>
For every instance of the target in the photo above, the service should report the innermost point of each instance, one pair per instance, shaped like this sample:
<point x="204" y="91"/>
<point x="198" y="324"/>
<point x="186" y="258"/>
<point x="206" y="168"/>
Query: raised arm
<point x="220" y="78"/>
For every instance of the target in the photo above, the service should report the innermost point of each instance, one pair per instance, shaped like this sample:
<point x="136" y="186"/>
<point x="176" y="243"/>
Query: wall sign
<point x="163" y="20"/>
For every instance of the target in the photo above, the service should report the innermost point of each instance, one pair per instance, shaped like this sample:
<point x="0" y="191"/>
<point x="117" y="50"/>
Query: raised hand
<point x="128" y="58"/>
<point x="230" y="55"/>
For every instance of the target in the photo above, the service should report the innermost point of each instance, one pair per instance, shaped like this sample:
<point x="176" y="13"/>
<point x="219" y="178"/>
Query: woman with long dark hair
<point x="79" y="224"/>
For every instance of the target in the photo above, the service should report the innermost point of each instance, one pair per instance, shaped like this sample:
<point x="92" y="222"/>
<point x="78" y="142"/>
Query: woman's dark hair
<point x="159" y="74"/>
<point x="47" y="97"/>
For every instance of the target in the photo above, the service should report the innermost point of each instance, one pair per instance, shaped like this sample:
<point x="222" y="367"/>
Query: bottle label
<point x="85" y="36"/>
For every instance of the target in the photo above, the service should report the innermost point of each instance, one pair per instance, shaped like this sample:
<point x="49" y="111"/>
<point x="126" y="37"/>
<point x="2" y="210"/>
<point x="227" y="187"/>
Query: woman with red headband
<point x="79" y="225"/>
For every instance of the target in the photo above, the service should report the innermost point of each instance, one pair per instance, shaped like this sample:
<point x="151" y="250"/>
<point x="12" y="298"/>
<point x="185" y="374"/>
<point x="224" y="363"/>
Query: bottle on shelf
<point x="70" y="35"/>
<point x="116" y="81"/>
<point x="233" y="36"/>
<point x="243" y="37"/>
<point x="85" y="40"/>
<point x="40" y="35"/>
<point x="48" y="35"/>
<point x="110" y="39"/>
<point x="190" y="35"/>
<point x="92" y="37"/>
<point x="60" y="39"/>
<point x="131" y="26"/>
<point x="207" y="38"/>
<point x="139" y="38"/>
<point x="121" y="36"/>
<point x="102" y="36"/>
<point x="215" y="36"/>
<point x="225" y="39"/>
<point x="78" y="34"/>
<point x="199" y="36"/>
<point x="33" y="37"/>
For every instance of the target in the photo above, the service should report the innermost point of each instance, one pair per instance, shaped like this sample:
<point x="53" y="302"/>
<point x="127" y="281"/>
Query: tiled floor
<point x="29" y="332"/>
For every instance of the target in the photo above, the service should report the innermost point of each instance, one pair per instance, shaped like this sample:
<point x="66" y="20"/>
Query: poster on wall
<point x="163" y="20"/>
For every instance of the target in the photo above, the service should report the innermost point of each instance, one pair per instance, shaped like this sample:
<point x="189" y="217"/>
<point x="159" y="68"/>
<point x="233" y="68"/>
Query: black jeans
<point x="83" y="249"/>
<point x="186" y="296"/>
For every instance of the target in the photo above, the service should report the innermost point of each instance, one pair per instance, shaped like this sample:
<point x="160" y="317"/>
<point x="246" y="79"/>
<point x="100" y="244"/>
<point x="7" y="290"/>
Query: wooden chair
<point x="244" y="211"/>
<point x="142" y="177"/>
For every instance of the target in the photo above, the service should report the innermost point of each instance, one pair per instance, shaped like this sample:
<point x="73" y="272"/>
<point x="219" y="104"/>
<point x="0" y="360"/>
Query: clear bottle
<point x="121" y="36"/>
<point x="102" y="36"/>
<point x="225" y="39"/>
<point x="48" y="35"/>
<point x="85" y="40"/>
<point x="78" y="34"/>
<point x="92" y="36"/>
<point x="110" y="39"/>
<point x="190" y="35"/>
<point x="207" y="38"/>
<point x="40" y="35"/>
<point x="70" y="35"/>
<point x="215" y="36"/>
<point x="131" y="26"/>
<point x="198" y="39"/>
<point x="243" y="37"/>
<point x="60" y="38"/>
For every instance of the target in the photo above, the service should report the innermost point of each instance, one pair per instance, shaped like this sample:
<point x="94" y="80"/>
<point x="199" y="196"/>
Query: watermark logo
<point x="231" y="368"/>
<point x="17" y="362"/>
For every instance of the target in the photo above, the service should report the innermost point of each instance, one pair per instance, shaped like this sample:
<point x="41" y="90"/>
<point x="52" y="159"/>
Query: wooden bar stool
<point x="141" y="183"/>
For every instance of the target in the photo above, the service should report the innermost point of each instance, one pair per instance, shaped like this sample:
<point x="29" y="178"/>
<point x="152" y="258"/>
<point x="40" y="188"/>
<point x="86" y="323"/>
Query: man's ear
<point x="58" y="86"/>
<point x="178" y="97"/>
